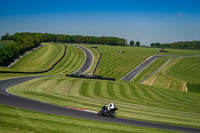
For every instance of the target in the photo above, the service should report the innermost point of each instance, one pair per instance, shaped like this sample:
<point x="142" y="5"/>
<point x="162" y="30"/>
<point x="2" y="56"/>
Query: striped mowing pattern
<point x="72" y="61"/>
<point x="134" y="101"/>
<point x="115" y="64"/>
<point x="40" y="59"/>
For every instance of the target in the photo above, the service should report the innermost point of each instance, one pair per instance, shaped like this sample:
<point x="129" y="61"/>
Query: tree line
<point x="26" y="40"/>
<point x="194" y="45"/>
<point x="132" y="43"/>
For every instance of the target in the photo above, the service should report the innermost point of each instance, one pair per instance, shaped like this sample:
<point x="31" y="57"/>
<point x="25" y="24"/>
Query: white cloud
<point x="180" y="14"/>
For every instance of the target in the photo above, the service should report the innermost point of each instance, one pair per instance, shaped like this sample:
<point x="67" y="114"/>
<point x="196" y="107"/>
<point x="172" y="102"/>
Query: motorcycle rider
<point x="108" y="107"/>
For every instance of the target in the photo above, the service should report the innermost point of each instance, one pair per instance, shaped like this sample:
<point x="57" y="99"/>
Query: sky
<point x="147" y="21"/>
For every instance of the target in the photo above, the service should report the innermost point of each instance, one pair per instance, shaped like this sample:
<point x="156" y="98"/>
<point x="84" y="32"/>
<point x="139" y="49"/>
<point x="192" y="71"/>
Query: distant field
<point x="115" y="64"/>
<point x="5" y="43"/>
<point x="135" y="101"/>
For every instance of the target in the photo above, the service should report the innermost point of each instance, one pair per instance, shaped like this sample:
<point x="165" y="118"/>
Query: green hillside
<point x="40" y="59"/>
<point x="177" y="74"/>
<point x="135" y="101"/>
<point x="115" y="64"/>
<point x="158" y="101"/>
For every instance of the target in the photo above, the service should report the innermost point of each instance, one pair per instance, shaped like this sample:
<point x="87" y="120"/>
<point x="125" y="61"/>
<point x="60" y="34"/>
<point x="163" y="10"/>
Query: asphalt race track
<point x="142" y="66"/>
<point x="88" y="60"/>
<point x="9" y="99"/>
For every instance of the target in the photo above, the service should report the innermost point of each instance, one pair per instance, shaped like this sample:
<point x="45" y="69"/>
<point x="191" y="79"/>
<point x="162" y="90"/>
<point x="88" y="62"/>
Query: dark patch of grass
<point x="193" y="88"/>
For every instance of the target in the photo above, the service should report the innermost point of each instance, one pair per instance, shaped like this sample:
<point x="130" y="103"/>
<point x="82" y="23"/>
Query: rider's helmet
<point x="112" y="106"/>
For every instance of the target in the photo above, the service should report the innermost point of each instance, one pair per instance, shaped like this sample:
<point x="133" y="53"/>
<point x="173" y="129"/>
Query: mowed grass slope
<point x="188" y="70"/>
<point x="41" y="59"/>
<point x="45" y="57"/>
<point x="177" y="74"/>
<point x="72" y="61"/>
<point x="135" y="101"/>
<point x="20" y="120"/>
<point x="115" y="64"/>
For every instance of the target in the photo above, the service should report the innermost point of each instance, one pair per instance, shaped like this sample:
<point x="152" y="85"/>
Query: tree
<point x="132" y="43"/>
<point x="7" y="36"/>
<point x="152" y="44"/>
<point x="137" y="43"/>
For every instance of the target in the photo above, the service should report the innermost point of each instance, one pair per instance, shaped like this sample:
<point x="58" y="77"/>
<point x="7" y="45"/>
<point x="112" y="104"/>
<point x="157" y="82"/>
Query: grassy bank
<point x="115" y="64"/>
<point x="177" y="73"/>
<point x="135" y="101"/>
<point x="40" y="59"/>
<point x="20" y="120"/>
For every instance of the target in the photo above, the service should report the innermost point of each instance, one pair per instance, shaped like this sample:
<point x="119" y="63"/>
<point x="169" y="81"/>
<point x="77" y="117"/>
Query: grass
<point x="40" y="59"/>
<point x="5" y="43"/>
<point x="187" y="68"/>
<point x="20" y="120"/>
<point x="177" y="74"/>
<point x="193" y="88"/>
<point x="72" y="61"/>
<point x="135" y="101"/>
<point x="115" y="64"/>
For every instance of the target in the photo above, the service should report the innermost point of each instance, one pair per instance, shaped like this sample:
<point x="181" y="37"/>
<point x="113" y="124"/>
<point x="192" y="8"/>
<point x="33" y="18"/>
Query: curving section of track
<point x="88" y="60"/>
<point x="9" y="99"/>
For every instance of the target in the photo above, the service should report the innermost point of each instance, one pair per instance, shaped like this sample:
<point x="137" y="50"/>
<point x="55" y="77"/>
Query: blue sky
<point x="146" y="21"/>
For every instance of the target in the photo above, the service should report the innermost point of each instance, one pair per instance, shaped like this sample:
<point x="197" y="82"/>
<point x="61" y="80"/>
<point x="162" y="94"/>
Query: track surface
<point x="88" y="61"/>
<point x="25" y="103"/>
<point x="137" y="70"/>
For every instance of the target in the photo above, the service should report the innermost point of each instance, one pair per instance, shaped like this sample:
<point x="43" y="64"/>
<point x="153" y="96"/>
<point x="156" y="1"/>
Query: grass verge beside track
<point x="177" y="73"/>
<point x="151" y="68"/>
<point x="135" y="101"/>
<point x="20" y="120"/>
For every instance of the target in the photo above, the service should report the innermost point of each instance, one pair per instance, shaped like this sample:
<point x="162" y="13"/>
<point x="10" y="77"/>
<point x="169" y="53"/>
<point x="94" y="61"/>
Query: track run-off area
<point x="10" y="99"/>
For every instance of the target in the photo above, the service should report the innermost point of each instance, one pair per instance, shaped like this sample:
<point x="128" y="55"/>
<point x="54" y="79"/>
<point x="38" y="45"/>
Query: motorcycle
<point x="110" y="113"/>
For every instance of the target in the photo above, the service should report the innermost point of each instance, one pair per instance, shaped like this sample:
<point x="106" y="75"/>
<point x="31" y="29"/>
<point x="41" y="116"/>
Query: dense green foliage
<point x="179" y="45"/>
<point x="131" y="43"/>
<point x="4" y="43"/>
<point x="137" y="44"/>
<point x="23" y="41"/>
<point x="7" y="36"/>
